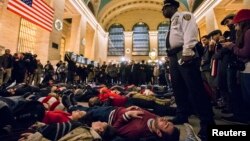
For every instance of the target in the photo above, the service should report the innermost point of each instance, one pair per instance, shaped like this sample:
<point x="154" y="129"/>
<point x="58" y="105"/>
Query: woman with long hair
<point x="242" y="50"/>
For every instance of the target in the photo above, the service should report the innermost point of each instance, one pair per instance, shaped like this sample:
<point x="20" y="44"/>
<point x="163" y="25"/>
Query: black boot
<point x="72" y="99"/>
<point x="66" y="101"/>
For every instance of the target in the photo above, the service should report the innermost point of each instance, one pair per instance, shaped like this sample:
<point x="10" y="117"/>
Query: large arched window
<point x="116" y="40"/>
<point x="140" y="39"/>
<point x="163" y="29"/>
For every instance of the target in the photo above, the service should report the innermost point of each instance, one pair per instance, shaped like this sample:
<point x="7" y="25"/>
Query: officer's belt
<point x="174" y="51"/>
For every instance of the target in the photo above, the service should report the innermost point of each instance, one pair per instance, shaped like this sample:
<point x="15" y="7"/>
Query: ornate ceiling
<point x="130" y="12"/>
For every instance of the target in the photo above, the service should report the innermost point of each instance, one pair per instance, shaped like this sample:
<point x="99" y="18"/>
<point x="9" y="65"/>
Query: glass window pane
<point x="140" y="39"/>
<point x="163" y="29"/>
<point x="116" y="43"/>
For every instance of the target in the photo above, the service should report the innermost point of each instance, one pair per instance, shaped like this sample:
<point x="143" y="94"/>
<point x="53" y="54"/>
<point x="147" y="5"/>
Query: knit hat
<point x="171" y="3"/>
<point x="242" y="15"/>
<point x="51" y="103"/>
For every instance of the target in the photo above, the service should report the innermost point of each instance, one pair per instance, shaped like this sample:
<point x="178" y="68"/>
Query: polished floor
<point x="194" y="121"/>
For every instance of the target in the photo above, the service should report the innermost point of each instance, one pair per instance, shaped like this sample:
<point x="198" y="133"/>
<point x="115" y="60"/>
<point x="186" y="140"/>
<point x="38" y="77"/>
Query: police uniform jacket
<point x="183" y="32"/>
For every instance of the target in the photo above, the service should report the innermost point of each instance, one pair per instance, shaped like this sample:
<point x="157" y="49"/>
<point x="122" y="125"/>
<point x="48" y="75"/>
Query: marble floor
<point x="194" y="121"/>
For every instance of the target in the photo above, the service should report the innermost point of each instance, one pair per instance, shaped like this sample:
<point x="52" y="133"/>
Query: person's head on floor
<point x="76" y="115"/>
<point x="94" y="101"/>
<point x="54" y="95"/>
<point x="53" y="88"/>
<point x="116" y="91"/>
<point x="103" y="129"/>
<point x="166" y="129"/>
<point x="103" y="90"/>
<point x="170" y="7"/>
<point x="11" y="90"/>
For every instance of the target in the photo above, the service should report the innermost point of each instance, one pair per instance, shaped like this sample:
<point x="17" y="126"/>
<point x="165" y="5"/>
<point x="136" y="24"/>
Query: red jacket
<point x="117" y="100"/>
<point x="56" y="117"/>
<point x="131" y="128"/>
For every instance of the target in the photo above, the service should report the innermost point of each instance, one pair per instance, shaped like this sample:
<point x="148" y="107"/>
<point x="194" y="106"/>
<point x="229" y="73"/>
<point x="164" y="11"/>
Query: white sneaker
<point x="191" y="136"/>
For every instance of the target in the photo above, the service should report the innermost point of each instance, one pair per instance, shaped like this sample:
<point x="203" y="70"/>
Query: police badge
<point x="187" y="17"/>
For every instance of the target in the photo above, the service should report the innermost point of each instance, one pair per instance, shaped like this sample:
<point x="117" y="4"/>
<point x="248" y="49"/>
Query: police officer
<point x="184" y="67"/>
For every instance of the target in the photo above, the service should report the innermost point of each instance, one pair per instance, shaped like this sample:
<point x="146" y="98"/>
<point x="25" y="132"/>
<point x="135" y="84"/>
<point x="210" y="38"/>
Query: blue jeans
<point x="245" y="83"/>
<point x="95" y="113"/>
<point x="100" y="113"/>
<point x="234" y="92"/>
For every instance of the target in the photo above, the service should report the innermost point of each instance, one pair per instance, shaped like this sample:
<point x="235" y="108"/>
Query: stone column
<point x="90" y="38"/>
<point x="75" y="34"/>
<point x="211" y="22"/>
<point x="128" y="44"/>
<point x="153" y="42"/>
<point x="83" y="34"/>
<point x="45" y="39"/>
<point x="221" y="13"/>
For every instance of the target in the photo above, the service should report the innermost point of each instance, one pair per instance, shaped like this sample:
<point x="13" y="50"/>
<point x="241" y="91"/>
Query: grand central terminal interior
<point x="118" y="70"/>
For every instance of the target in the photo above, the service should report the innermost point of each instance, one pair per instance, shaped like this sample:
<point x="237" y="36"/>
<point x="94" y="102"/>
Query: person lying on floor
<point x="136" y="128"/>
<point x="18" y="115"/>
<point x="146" y="94"/>
<point x="19" y="90"/>
<point x="113" y="98"/>
<point x="120" y="101"/>
<point x="161" y="110"/>
<point x="146" y="89"/>
<point x="134" y="122"/>
<point x="83" y="95"/>
<point x="71" y="130"/>
<point x="51" y="101"/>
